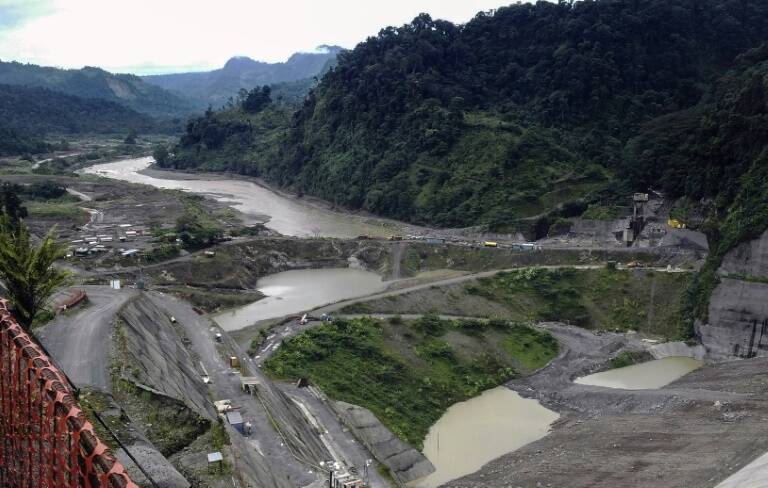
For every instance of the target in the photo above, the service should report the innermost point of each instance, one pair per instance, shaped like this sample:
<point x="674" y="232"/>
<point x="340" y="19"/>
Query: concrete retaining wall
<point x="747" y="259"/>
<point x="405" y="463"/>
<point x="739" y="307"/>
<point x="737" y="310"/>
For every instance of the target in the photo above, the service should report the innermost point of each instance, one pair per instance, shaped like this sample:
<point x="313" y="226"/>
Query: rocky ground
<point x="694" y="432"/>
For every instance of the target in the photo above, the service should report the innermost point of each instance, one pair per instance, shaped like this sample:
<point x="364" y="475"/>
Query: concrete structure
<point x="235" y="419"/>
<point x="250" y="384"/>
<point x="404" y="462"/>
<point x="753" y="475"/>
<point x="215" y="461"/>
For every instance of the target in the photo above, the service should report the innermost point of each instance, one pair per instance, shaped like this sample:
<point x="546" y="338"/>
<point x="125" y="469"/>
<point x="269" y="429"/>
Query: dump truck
<point x="676" y="224"/>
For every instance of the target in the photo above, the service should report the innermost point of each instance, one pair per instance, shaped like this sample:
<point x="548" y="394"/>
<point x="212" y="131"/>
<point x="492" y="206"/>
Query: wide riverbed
<point x="297" y="291"/>
<point x="286" y="215"/>
<point x="644" y="376"/>
<point x="476" y="431"/>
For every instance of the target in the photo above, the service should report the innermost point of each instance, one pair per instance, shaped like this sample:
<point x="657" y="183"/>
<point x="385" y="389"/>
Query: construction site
<point x="185" y="388"/>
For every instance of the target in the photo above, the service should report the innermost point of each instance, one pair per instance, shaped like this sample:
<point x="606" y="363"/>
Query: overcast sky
<point x="160" y="36"/>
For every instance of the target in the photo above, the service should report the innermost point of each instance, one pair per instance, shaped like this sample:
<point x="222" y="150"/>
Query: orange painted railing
<point x="72" y="300"/>
<point x="45" y="439"/>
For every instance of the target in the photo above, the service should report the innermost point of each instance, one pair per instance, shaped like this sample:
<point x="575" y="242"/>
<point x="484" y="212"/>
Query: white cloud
<point x="176" y="35"/>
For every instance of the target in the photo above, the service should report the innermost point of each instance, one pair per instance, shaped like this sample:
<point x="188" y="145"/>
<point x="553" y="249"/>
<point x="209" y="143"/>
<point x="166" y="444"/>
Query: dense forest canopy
<point x="520" y="112"/>
<point x="13" y="142"/>
<point x="40" y="111"/>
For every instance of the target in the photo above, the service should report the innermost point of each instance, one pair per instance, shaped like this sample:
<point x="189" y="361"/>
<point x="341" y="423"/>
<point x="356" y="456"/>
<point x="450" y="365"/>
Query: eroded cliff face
<point x="749" y="259"/>
<point x="737" y="325"/>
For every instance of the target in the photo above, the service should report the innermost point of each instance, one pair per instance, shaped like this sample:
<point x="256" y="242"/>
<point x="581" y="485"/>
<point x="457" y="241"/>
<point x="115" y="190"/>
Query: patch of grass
<point x="93" y="402"/>
<point x="219" y="436"/>
<point x="360" y="307"/>
<point x="604" y="212"/>
<point x="532" y="348"/>
<point x="628" y="358"/>
<point x="43" y="317"/>
<point x="56" y="210"/>
<point x="213" y="300"/>
<point x="408" y="373"/>
<point x="604" y="299"/>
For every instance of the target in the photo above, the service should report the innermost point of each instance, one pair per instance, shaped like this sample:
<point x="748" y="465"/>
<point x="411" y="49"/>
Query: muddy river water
<point x="295" y="291"/>
<point x="644" y="376"/>
<point x="476" y="431"/>
<point x="286" y="215"/>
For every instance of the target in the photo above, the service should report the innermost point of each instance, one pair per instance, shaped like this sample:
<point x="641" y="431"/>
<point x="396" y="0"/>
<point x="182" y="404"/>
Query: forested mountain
<point x="39" y="111"/>
<point x="526" y="109"/>
<point x="16" y="142"/>
<point x="214" y="88"/>
<point x="127" y="90"/>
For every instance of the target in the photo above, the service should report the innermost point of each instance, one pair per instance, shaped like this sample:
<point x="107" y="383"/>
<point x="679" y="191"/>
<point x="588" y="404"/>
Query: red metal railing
<point x="45" y="439"/>
<point x="72" y="300"/>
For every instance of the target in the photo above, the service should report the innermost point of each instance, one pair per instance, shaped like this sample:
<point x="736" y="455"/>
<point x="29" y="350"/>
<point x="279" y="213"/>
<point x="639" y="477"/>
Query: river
<point x="292" y="292"/>
<point x="286" y="215"/>
<point x="643" y="376"/>
<point x="476" y="431"/>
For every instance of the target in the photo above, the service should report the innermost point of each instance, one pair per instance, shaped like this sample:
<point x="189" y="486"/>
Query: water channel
<point x="296" y="291"/>
<point x="286" y="215"/>
<point x="643" y="376"/>
<point x="476" y="431"/>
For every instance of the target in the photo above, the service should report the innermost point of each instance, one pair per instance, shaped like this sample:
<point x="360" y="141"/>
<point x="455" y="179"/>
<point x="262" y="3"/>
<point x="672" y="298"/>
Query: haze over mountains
<point x="215" y="87"/>
<point x="38" y="100"/>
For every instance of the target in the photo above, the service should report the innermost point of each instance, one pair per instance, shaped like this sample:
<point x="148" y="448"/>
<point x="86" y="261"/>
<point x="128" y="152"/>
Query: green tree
<point x="28" y="271"/>
<point x="161" y="155"/>
<point x="195" y="234"/>
<point x="11" y="203"/>
<point x="257" y="99"/>
<point x="131" y="138"/>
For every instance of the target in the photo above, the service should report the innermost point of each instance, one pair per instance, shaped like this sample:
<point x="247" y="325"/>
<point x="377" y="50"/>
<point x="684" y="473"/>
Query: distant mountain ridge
<point x="95" y="83"/>
<point x="241" y="72"/>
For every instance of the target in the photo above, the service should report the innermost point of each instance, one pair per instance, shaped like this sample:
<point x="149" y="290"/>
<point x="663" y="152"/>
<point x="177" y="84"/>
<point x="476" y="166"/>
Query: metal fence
<point x="45" y="439"/>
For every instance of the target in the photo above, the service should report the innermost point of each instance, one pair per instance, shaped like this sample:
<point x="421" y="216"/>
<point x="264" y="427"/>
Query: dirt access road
<point x="288" y="326"/>
<point x="80" y="339"/>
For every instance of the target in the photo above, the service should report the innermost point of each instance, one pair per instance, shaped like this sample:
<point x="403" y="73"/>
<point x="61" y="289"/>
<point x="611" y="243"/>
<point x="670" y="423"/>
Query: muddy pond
<point x="643" y="376"/>
<point x="296" y="291"/>
<point x="476" y="431"/>
<point x="286" y="215"/>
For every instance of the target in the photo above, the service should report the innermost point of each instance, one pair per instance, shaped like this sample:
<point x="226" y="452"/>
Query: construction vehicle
<point x="490" y="244"/>
<point x="223" y="406"/>
<point x="676" y="224"/>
